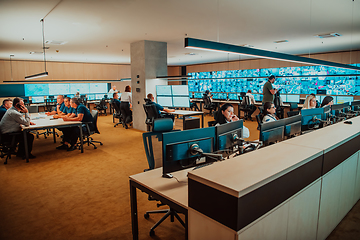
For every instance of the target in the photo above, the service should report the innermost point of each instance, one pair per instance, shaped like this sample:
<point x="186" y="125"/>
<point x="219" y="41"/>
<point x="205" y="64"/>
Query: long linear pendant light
<point x="200" y="44"/>
<point x="43" y="74"/>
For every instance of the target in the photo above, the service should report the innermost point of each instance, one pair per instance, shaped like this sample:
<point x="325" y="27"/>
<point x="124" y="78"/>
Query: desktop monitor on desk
<point x="181" y="102"/>
<point x="97" y="96"/>
<point x="258" y="97"/>
<point x="338" y="110"/>
<point x="198" y="95"/>
<point x="91" y="97"/>
<point x="344" y="99"/>
<point x="292" y="125"/>
<point x="228" y="136"/>
<point x="163" y="90"/>
<point x="220" y="96"/>
<point x="38" y="99"/>
<point x="186" y="149"/>
<point x="292" y="99"/>
<point x="179" y="90"/>
<point x="355" y="106"/>
<point x="234" y="96"/>
<point x="311" y="118"/>
<point x="165" y="101"/>
<point x="271" y="132"/>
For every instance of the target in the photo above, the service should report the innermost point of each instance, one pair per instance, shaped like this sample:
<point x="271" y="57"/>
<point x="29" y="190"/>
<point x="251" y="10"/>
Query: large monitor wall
<point x="291" y="80"/>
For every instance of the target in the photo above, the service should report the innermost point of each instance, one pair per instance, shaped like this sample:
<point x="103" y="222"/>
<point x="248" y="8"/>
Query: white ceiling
<point x="101" y="31"/>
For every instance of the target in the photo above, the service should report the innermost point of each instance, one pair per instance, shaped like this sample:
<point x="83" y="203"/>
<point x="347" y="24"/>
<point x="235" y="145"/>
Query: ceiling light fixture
<point x="199" y="44"/>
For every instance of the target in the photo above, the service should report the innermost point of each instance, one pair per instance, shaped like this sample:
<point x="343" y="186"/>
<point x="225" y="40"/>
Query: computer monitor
<point x="97" y="96"/>
<point x="233" y="96"/>
<point x="292" y="98"/>
<point x="258" y="97"/>
<point x="198" y="95"/>
<point x="271" y="132"/>
<point x="181" y="102"/>
<point x="40" y="99"/>
<point x="355" y="106"/>
<point x="344" y="99"/>
<point x="339" y="109"/>
<point x="220" y="96"/>
<point x="292" y="125"/>
<point x="228" y="135"/>
<point x="310" y="118"/>
<point x="326" y="114"/>
<point x="91" y="97"/>
<point x="163" y="90"/>
<point x="164" y="101"/>
<point x="180" y="90"/>
<point x="186" y="149"/>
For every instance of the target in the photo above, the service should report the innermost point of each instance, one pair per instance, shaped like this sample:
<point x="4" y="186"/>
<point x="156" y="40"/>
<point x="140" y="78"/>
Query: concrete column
<point x="148" y="60"/>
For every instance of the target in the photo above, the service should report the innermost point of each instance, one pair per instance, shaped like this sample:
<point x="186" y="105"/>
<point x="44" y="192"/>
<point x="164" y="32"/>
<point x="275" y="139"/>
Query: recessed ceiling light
<point x="247" y="45"/>
<point x="36" y="52"/>
<point x="328" y="35"/>
<point x="281" y="41"/>
<point x="55" y="42"/>
<point x="191" y="54"/>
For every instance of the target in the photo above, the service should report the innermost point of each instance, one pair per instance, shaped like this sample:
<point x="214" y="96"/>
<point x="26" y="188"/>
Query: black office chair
<point x="246" y="107"/>
<point x="151" y="115"/>
<point x="154" y="157"/>
<point x="126" y="114"/>
<point x="91" y="129"/>
<point x="213" y="123"/>
<point x="208" y="105"/>
<point x="259" y="120"/>
<point x="117" y="113"/>
<point x="8" y="145"/>
<point x="293" y="106"/>
<point x="101" y="106"/>
<point x="279" y="109"/>
<point x="292" y="113"/>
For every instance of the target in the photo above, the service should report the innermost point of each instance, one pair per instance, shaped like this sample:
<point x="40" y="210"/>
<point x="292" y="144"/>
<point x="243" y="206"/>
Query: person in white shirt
<point x="113" y="90"/>
<point x="252" y="103"/>
<point x="269" y="113"/>
<point x="226" y="115"/>
<point x="125" y="105"/>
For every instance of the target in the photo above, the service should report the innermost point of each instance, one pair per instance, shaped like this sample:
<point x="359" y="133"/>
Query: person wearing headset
<point x="14" y="117"/>
<point x="226" y="115"/>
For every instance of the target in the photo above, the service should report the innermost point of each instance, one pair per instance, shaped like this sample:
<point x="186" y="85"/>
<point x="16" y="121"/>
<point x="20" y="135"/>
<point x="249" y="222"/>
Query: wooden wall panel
<point x="174" y="71"/>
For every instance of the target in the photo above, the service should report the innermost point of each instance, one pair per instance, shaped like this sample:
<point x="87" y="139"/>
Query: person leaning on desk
<point x="226" y="115"/>
<point x="71" y="134"/>
<point x="59" y="106"/>
<point x="269" y="112"/>
<point x="68" y="111"/>
<point x="7" y="103"/>
<point x="269" y="91"/>
<point x="160" y="108"/>
<point x="11" y="123"/>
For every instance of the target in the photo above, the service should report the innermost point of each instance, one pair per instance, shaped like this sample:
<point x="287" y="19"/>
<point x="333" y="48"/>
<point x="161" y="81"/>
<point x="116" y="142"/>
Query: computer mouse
<point x="348" y="122"/>
<point x="167" y="175"/>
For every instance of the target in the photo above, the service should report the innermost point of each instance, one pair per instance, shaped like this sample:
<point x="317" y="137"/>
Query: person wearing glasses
<point x="310" y="102"/>
<point x="269" y="112"/>
<point x="226" y="115"/>
<point x="269" y="91"/>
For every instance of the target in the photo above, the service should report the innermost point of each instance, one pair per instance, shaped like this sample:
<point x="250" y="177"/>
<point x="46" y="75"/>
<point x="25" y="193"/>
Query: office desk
<point x="167" y="190"/>
<point x="43" y="122"/>
<point x="188" y="114"/>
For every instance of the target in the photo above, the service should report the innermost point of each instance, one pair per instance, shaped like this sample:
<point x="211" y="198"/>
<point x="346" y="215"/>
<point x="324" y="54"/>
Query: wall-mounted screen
<point x="163" y="90"/>
<point x="82" y="88"/>
<point x="37" y="89"/>
<point x="181" y="102"/>
<point x="59" y="89"/>
<point x="98" y="87"/>
<point x="164" y="101"/>
<point x="180" y="90"/>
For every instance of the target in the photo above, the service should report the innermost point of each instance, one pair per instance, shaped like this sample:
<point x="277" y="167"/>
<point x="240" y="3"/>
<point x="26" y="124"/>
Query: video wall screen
<point x="291" y="80"/>
<point x="53" y="89"/>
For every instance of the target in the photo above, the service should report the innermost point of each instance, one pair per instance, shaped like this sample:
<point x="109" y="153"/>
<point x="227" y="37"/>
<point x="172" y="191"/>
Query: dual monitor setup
<point x="199" y="147"/>
<point x="176" y="96"/>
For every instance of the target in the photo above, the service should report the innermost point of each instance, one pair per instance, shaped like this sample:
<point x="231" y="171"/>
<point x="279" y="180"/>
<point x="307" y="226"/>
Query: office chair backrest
<point x="150" y="111"/>
<point x="116" y="107"/>
<point x="207" y="101"/>
<point x="277" y="102"/>
<point x="94" y="114"/>
<point x="293" y="106"/>
<point x="246" y="101"/>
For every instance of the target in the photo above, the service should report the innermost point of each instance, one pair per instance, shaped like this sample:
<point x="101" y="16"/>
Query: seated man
<point x="68" y="111"/>
<point x="160" y="108"/>
<point x="7" y="103"/>
<point x="59" y="106"/>
<point x="116" y="99"/>
<point x="11" y="123"/>
<point x="252" y="102"/>
<point x="72" y="134"/>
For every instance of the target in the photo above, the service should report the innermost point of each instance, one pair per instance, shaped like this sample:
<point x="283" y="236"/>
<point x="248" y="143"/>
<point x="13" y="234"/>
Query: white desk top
<point x="184" y="112"/>
<point x="43" y="121"/>
<point x="169" y="188"/>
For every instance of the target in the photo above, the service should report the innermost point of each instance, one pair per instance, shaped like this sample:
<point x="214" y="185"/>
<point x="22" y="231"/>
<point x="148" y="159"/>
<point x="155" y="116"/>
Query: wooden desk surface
<point x="169" y="188"/>
<point x="245" y="173"/>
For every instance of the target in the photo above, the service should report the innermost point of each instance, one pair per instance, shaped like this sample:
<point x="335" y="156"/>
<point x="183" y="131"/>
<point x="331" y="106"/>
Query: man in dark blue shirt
<point x="116" y="99"/>
<point x="59" y="106"/>
<point x="7" y="103"/>
<point x="68" y="111"/>
<point x="72" y="134"/>
<point x="160" y="108"/>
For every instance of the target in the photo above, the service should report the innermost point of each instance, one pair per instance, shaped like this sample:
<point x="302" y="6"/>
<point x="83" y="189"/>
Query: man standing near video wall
<point x="269" y="91"/>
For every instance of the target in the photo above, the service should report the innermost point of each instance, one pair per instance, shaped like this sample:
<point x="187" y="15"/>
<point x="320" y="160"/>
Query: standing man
<point x="7" y="103"/>
<point x="113" y="90"/>
<point x="269" y="91"/>
<point x="11" y="123"/>
<point x="59" y="106"/>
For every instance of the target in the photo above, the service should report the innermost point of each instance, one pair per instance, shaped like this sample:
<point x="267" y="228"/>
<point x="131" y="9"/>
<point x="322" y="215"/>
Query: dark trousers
<point x="71" y="134"/>
<point x="19" y="138"/>
<point x="126" y="112"/>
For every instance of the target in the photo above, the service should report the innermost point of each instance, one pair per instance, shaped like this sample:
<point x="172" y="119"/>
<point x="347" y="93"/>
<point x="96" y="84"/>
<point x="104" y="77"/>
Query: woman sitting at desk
<point x="269" y="112"/>
<point x="310" y="102"/>
<point x="328" y="101"/>
<point x="226" y="115"/>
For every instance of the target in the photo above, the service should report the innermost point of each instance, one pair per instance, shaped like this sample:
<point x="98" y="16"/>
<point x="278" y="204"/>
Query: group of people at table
<point x="13" y="114"/>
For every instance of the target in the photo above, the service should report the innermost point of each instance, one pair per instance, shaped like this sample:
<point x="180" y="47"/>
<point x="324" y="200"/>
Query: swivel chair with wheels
<point x="152" y="145"/>
<point x="279" y="109"/>
<point x="102" y="106"/>
<point x="117" y="113"/>
<point x="208" y="105"/>
<point x="91" y="128"/>
<point x="246" y="107"/>
<point x="151" y="115"/>
<point x="126" y="114"/>
<point x="8" y="145"/>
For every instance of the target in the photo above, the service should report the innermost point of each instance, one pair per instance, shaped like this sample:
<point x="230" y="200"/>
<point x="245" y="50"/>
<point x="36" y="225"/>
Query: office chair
<point x="208" y="105"/>
<point x="293" y="106"/>
<point x="246" y="107"/>
<point x="259" y="120"/>
<point x="213" y="123"/>
<point x="151" y="115"/>
<point x="117" y="113"/>
<point x="91" y="128"/>
<point x="279" y="109"/>
<point x="8" y="145"/>
<point x="126" y="114"/>
<point x="160" y="125"/>
<point x="292" y="113"/>
<point x="33" y="109"/>
<point x="101" y="106"/>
